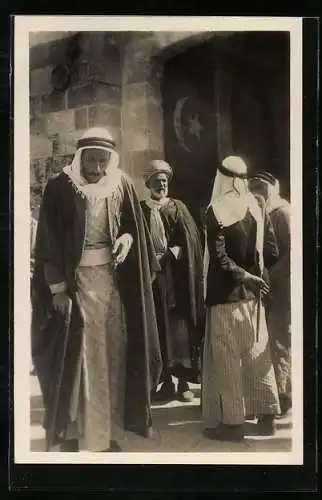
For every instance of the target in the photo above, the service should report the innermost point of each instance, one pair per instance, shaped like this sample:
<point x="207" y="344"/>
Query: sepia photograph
<point x="157" y="201"/>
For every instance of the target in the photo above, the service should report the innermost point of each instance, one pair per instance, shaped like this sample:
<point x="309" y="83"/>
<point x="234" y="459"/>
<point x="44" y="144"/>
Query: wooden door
<point x="190" y="126"/>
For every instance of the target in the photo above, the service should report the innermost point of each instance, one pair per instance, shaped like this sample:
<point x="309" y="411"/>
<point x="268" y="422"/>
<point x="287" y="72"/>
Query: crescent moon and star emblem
<point x="194" y="124"/>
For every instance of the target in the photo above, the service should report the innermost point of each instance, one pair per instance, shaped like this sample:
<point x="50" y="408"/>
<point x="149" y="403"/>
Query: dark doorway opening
<point x="190" y="125"/>
<point x="255" y="66"/>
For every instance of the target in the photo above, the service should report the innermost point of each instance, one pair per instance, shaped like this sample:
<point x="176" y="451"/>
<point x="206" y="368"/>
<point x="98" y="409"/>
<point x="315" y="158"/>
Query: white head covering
<point x="230" y="201"/>
<point x="274" y="199"/>
<point x="95" y="138"/>
<point x="230" y="197"/>
<point x="156" y="225"/>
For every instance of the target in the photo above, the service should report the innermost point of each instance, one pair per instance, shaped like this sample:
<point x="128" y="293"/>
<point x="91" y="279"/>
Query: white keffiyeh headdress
<point x="230" y="201"/>
<point x="95" y="138"/>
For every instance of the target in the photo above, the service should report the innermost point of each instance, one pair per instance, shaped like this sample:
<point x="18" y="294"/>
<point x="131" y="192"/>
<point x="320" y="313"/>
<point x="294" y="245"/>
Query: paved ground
<point x="177" y="428"/>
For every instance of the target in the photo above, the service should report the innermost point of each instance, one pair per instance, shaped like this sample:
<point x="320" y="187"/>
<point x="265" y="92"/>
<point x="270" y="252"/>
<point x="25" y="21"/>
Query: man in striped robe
<point x="238" y="375"/>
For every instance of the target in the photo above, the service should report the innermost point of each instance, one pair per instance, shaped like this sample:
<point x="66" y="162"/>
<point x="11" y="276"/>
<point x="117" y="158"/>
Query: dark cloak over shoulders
<point x="56" y="347"/>
<point x="185" y="283"/>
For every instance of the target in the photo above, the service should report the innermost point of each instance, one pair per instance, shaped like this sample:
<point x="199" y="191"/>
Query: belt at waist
<point x="96" y="257"/>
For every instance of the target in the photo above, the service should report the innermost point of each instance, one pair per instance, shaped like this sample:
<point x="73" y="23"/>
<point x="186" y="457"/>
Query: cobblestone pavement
<point x="177" y="428"/>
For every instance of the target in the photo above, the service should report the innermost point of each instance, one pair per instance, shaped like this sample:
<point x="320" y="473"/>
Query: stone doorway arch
<point x="263" y="122"/>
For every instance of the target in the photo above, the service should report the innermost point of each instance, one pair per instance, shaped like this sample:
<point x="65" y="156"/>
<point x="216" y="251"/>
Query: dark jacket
<point x="232" y="253"/>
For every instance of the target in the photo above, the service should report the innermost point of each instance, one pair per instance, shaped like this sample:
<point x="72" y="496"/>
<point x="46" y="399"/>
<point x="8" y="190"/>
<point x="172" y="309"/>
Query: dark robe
<point x="178" y="288"/>
<point x="56" y="347"/>
<point x="279" y="305"/>
<point x="280" y="275"/>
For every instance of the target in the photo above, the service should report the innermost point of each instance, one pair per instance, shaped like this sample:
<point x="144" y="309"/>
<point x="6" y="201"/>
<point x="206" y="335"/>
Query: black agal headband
<point x="228" y="173"/>
<point x="96" y="141"/>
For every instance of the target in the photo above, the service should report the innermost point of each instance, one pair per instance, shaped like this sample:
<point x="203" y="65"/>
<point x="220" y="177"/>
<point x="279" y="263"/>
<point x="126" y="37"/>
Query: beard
<point x="159" y="194"/>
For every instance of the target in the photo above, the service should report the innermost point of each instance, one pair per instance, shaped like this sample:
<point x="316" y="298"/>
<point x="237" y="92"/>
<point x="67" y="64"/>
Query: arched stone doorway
<point x="229" y="95"/>
<point x="239" y="81"/>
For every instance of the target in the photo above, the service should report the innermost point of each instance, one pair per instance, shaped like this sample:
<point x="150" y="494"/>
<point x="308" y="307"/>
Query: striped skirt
<point x="238" y="374"/>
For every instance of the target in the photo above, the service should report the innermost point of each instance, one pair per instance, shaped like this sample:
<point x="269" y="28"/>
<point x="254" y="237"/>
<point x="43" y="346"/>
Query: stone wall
<point x="58" y="118"/>
<point x="115" y="81"/>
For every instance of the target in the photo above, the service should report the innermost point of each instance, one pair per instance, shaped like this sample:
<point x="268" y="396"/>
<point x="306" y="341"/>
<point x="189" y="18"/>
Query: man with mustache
<point x="94" y="264"/>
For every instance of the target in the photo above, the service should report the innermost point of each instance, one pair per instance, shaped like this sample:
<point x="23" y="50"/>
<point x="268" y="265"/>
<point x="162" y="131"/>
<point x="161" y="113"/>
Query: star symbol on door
<point x="194" y="126"/>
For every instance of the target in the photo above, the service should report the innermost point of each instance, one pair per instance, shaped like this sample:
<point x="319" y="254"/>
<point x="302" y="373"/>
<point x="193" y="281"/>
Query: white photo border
<point x="23" y="25"/>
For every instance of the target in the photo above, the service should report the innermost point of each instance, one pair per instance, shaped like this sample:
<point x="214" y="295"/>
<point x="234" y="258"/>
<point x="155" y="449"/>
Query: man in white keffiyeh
<point x="238" y="376"/>
<point x="94" y="253"/>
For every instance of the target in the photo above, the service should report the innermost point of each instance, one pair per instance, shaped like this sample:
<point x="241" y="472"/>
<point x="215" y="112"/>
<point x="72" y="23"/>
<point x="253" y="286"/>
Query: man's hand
<point x="121" y="248"/>
<point x="61" y="302"/>
<point x="256" y="284"/>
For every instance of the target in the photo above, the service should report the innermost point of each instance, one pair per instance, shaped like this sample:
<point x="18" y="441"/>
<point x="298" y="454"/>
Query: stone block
<point x="70" y="140"/>
<point x="110" y="94"/>
<point x="80" y="73"/>
<point x="40" y="147"/>
<point x="140" y="159"/>
<point x="107" y="71"/>
<point x="136" y="139"/>
<point x="81" y="118"/>
<point x="38" y="125"/>
<point x="49" y="167"/>
<point x="39" y="56"/>
<point x="74" y="136"/>
<point x="136" y="71"/>
<point x="116" y="133"/>
<point x="96" y="43"/>
<point x="142" y="50"/>
<point x="55" y="101"/>
<point x="85" y="45"/>
<point x="65" y="144"/>
<point x="35" y="106"/>
<point x="155" y="113"/>
<point x="81" y="96"/>
<point x="104" y="115"/>
<point x="135" y="114"/>
<point x="140" y="90"/>
<point x="111" y="47"/>
<point x="156" y="141"/>
<point x="58" y="50"/>
<point x="126" y="162"/>
<point x="40" y="81"/>
<point x="92" y="93"/>
<point x="55" y="139"/>
<point x="60" y="122"/>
